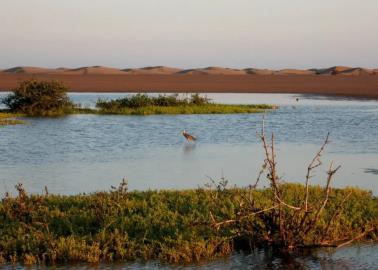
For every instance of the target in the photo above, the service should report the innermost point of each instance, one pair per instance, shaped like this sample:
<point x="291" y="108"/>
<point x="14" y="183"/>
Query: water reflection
<point x="347" y="258"/>
<point x="370" y="170"/>
<point x="188" y="148"/>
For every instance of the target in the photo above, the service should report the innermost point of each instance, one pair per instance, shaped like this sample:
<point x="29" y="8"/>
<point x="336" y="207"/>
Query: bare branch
<point x="316" y="162"/>
<point x="357" y="237"/>
<point x="216" y="225"/>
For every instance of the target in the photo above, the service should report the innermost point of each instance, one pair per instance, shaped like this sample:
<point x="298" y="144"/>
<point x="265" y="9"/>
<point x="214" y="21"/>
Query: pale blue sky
<point x="189" y="33"/>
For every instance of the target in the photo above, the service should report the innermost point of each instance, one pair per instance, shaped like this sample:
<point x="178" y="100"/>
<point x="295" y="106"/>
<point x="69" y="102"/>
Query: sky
<point x="195" y="33"/>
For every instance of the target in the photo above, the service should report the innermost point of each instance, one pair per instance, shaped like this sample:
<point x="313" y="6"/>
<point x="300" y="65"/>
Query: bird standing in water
<point x="188" y="137"/>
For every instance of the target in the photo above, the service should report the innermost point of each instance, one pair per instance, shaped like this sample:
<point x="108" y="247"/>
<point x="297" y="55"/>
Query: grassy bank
<point x="171" y="226"/>
<point x="9" y="119"/>
<point x="184" y="109"/>
<point x="142" y="104"/>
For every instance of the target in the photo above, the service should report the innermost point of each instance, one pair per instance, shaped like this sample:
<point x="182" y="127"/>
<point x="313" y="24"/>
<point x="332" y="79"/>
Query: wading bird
<point x="188" y="137"/>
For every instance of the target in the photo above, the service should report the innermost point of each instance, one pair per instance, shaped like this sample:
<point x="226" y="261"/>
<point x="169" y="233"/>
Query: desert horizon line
<point x="160" y="69"/>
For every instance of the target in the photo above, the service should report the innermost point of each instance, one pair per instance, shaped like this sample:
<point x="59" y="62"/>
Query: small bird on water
<point x="188" y="137"/>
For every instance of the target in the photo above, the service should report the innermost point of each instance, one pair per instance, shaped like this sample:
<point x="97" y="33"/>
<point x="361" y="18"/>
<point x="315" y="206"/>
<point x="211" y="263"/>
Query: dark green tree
<point x="39" y="98"/>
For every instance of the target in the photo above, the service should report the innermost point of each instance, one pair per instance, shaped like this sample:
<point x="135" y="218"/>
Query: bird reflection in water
<point x="189" y="148"/>
<point x="190" y="144"/>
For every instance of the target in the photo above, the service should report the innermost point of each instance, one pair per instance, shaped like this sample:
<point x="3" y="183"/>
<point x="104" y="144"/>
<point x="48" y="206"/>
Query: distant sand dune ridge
<point x="92" y="70"/>
<point x="163" y="70"/>
<point x="213" y="71"/>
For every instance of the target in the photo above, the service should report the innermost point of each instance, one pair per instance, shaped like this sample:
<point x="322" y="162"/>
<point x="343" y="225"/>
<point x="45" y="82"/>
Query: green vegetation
<point x="172" y="226"/>
<point x="9" y="119"/>
<point x="142" y="104"/>
<point x="39" y="98"/>
<point x="49" y="98"/>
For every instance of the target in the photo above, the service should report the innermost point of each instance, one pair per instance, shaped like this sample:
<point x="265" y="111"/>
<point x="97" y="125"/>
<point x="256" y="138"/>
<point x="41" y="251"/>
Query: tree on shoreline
<point x="39" y="98"/>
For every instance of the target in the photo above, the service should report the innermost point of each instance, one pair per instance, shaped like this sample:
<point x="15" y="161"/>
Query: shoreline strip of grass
<point x="171" y="226"/>
<point x="183" y="109"/>
<point x="143" y="104"/>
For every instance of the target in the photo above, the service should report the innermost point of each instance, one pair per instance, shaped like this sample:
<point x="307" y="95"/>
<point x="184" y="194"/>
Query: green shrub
<point x="39" y="98"/>
<point x="172" y="226"/>
<point x="142" y="104"/>
<point x="143" y="100"/>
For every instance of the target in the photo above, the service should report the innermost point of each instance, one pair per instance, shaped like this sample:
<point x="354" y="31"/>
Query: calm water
<point x="347" y="258"/>
<point x="85" y="153"/>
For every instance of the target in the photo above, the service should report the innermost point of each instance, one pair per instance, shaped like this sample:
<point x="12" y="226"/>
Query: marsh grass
<point x="171" y="226"/>
<point x="142" y="104"/>
<point x="187" y="109"/>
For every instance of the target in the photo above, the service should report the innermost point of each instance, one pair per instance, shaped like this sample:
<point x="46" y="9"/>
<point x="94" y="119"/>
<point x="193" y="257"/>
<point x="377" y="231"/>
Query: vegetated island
<point x="49" y="98"/>
<point x="143" y="104"/>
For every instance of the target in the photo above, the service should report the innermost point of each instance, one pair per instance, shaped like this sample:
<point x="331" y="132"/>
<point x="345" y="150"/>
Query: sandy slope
<point x="359" y="86"/>
<point x="294" y="72"/>
<point x="30" y="70"/>
<point x="213" y="71"/>
<point x="337" y="80"/>
<point x="161" y="70"/>
<point x="100" y="70"/>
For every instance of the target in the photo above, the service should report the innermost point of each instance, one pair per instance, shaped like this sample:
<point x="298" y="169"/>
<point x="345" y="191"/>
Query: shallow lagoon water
<point x="361" y="256"/>
<point x="86" y="153"/>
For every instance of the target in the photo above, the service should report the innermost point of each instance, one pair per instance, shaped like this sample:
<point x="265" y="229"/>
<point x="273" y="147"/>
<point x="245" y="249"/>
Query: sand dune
<point x="357" y="86"/>
<point x="91" y="70"/>
<point x="213" y="71"/>
<point x="347" y="71"/>
<point x="161" y="70"/>
<point x="30" y="70"/>
<point x="332" y="70"/>
<point x="294" y="72"/>
<point x="256" y="71"/>
<point x="337" y="80"/>
<point x="357" y="72"/>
